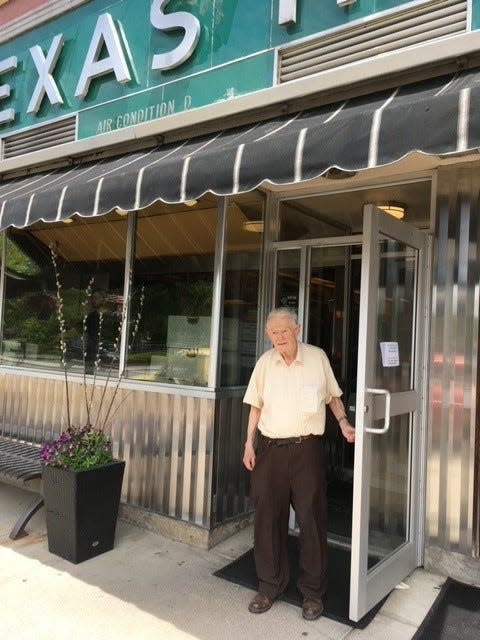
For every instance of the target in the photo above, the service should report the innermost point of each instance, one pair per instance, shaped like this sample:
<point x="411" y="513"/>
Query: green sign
<point x="119" y="62"/>
<point x="223" y="83"/>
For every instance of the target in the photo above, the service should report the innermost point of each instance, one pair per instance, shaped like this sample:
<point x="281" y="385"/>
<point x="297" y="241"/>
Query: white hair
<point x="283" y="312"/>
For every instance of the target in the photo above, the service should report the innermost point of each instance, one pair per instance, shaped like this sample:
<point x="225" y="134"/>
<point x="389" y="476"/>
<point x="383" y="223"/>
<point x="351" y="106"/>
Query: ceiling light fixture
<point x="190" y="203"/>
<point x="395" y="209"/>
<point x="253" y="226"/>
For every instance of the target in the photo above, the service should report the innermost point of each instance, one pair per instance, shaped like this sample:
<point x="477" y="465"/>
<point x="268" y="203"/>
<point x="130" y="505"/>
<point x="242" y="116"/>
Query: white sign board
<point x="390" y="354"/>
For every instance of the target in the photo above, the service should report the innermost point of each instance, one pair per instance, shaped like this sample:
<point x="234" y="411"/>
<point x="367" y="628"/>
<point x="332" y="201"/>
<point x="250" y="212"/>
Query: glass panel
<point x="341" y="213"/>
<point x="93" y="249"/>
<point x="288" y="279"/>
<point x="174" y="259"/>
<point x="333" y="312"/>
<point x="389" y="487"/>
<point x="328" y="303"/>
<point x="242" y="275"/>
<point x="305" y="219"/>
<point x="395" y="308"/>
<point x="390" y="452"/>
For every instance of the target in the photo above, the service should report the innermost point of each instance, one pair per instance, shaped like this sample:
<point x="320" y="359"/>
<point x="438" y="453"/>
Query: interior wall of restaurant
<point x="452" y="468"/>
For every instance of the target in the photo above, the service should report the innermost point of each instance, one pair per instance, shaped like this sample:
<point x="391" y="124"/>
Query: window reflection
<point x="242" y="275"/>
<point x="172" y="274"/>
<point x="91" y="269"/>
<point x="389" y="488"/>
<point x="396" y="313"/>
<point x="173" y="263"/>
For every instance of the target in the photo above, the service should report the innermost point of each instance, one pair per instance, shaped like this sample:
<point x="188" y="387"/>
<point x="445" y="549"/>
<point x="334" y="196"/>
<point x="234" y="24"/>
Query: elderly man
<point x="289" y="388"/>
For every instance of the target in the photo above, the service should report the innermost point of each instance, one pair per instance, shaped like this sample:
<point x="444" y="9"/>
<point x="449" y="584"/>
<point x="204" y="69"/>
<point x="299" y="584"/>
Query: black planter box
<point x="82" y="509"/>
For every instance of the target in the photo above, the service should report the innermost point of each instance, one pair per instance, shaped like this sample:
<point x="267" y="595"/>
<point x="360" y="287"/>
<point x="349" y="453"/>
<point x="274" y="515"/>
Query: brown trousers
<point x="283" y="475"/>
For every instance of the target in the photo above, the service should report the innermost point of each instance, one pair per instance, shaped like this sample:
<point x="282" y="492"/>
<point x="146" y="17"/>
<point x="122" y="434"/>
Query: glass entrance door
<point x="388" y="407"/>
<point x="358" y="299"/>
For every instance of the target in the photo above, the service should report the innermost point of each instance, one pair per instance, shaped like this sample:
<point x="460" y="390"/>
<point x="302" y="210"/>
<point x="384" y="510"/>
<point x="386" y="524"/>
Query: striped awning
<point x="439" y="116"/>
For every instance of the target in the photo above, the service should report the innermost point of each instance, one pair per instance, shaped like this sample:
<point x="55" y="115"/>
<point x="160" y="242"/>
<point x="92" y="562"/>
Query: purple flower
<point x="77" y="448"/>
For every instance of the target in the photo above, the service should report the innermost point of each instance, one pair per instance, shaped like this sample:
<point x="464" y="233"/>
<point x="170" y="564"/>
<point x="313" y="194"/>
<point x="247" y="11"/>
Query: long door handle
<point x="386" y="427"/>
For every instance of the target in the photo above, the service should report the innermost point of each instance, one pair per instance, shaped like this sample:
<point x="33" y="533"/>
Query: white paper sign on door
<point x="390" y="354"/>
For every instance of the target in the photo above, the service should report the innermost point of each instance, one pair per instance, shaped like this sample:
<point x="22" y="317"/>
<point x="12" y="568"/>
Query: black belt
<point x="281" y="442"/>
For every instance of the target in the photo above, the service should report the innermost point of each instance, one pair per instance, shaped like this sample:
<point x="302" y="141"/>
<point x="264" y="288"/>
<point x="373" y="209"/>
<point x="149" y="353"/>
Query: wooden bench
<point x="21" y="461"/>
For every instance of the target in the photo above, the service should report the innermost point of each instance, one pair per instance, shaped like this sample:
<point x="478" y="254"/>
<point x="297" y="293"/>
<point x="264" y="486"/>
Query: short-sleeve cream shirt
<point x="292" y="398"/>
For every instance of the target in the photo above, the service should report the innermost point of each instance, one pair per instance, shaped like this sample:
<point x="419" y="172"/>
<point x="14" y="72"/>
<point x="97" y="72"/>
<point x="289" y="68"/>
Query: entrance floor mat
<point x="455" y="614"/>
<point x="242" y="571"/>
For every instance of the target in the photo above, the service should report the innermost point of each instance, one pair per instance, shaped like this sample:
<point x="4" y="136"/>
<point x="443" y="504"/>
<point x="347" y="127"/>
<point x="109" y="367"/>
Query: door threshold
<point x="341" y="542"/>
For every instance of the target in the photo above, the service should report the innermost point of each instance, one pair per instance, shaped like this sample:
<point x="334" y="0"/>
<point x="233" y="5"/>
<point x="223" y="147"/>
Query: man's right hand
<point x="249" y="456"/>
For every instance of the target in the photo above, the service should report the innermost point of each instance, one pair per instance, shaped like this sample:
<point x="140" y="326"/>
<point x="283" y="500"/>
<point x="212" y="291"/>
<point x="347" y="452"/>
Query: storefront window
<point x="171" y="293"/>
<point x="173" y="265"/>
<point x="87" y="252"/>
<point x="245" y="216"/>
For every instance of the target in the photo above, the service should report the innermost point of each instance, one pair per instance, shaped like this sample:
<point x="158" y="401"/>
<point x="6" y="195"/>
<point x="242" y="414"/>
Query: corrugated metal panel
<point x="454" y="358"/>
<point x="165" y="439"/>
<point x="50" y="135"/>
<point x="397" y="30"/>
<point x="231" y="483"/>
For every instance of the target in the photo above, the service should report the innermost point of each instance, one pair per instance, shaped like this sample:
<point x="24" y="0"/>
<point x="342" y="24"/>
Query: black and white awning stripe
<point x="438" y="116"/>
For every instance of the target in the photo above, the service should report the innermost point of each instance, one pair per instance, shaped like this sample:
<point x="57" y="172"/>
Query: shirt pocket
<point x="309" y="398"/>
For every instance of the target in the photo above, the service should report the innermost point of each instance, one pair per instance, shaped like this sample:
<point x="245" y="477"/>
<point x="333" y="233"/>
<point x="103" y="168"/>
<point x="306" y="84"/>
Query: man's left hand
<point x="348" y="431"/>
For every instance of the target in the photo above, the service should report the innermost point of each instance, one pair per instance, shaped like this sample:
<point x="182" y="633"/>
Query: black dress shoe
<point x="260" y="604"/>
<point x="312" y="609"/>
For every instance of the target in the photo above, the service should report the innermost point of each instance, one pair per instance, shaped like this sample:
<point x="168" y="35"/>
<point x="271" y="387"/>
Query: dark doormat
<point x="242" y="571"/>
<point x="455" y="614"/>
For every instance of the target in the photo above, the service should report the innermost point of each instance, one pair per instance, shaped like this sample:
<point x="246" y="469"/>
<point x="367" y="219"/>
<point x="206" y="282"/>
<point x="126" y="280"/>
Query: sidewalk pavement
<point x="150" y="587"/>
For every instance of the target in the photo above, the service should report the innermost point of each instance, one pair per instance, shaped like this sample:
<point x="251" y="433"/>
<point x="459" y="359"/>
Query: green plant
<point x="197" y="298"/>
<point x="89" y="445"/>
<point x="77" y="449"/>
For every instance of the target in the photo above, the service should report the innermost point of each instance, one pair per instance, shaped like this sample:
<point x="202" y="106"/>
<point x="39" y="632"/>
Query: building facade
<point x="191" y="165"/>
